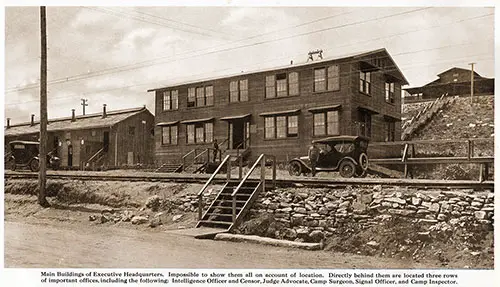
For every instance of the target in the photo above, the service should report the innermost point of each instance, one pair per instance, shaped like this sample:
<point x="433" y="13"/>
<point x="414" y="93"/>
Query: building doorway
<point x="239" y="133"/>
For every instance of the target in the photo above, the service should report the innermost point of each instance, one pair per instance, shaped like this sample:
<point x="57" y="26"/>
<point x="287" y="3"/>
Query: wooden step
<point x="238" y="194"/>
<point x="229" y="201"/>
<point x="226" y="207"/>
<point x="216" y="222"/>
<point x="220" y="214"/>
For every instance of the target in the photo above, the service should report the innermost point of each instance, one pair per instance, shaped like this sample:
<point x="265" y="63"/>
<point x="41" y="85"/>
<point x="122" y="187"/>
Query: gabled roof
<point x="456" y="69"/>
<point x="315" y="62"/>
<point x="82" y="122"/>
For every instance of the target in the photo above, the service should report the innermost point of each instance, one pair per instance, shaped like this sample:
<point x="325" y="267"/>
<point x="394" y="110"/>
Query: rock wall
<point x="313" y="214"/>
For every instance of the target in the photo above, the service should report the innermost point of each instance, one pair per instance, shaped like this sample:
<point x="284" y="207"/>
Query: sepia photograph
<point x="265" y="137"/>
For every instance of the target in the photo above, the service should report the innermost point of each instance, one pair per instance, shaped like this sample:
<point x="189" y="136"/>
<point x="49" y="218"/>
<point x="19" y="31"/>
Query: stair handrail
<point x="262" y="160"/>
<point x="184" y="166"/>
<point x="200" y="193"/>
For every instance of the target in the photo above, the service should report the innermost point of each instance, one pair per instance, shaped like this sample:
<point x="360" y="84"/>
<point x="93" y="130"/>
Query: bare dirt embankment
<point x="165" y="206"/>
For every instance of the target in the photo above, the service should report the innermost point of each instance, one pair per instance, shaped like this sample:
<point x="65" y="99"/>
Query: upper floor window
<point x="170" y="100"/>
<point x="238" y="91"/>
<point x="365" y="82"/>
<point x="327" y="78"/>
<point x="282" y="85"/>
<point x="169" y="135"/>
<point x="326" y="123"/>
<point x="281" y="126"/>
<point x="200" y="96"/>
<point x="200" y="133"/>
<point x="389" y="92"/>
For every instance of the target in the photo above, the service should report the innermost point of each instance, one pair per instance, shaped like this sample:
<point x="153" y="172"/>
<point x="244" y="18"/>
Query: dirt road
<point x="62" y="244"/>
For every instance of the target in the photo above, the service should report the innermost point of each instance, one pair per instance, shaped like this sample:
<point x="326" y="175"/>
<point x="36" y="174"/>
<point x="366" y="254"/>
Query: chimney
<point x="104" y="111"/>
<point x="73" y="118"/>
<point x="8" y="122"/>
<point x="32" y="119"/>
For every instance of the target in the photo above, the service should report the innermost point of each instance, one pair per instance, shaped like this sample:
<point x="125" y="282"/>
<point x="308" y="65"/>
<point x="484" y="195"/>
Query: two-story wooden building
<point x="453" y="82"/>
<point x="279" y="111"/>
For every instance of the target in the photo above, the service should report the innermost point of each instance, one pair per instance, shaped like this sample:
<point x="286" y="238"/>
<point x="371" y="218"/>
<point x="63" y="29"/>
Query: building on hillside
<point x="279" y="111"/>
<point x="109" y="139"/>
<point x="455" y="81"/>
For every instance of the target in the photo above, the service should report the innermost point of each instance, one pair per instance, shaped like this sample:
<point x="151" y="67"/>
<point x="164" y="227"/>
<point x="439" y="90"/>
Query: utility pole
<point x="42" y="177"/>
<point x="471" y="82"/>
<point x="84" y="104"/>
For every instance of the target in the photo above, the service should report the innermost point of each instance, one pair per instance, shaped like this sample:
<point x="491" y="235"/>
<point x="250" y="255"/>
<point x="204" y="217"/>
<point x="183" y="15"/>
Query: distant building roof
<point x="346" y="56"/>
<point x="82" y="122"/>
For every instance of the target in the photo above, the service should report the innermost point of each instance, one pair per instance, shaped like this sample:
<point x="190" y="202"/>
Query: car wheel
<point x="35" y="165"/>
<point x="295" y="168"/>
<point x="363" y="161"/>
<point x="347" y="168"/>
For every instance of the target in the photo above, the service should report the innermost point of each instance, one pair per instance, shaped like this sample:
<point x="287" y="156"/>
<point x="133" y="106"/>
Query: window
<point x="319" y="80"/>
<point x="191" y="97"/>
<point x="170" y="100"/>
<point x="326" y="123"/>
<point x="200" y="133"/>
<point x="365" y="123"/>
<point x="169" y="135"/>
<point x="365" y="82"/>
<point x="270" y="89"/>
<point x="238" y="91"/>
<point x="293" y="83"/>
<point x="389" y="92"/>
<point x="282" y="85"/>
<point x="327" y="78"/>
<point x="201" y="96"/>
<point x="281" y="127"/>
<point x="281" y="89"/>
<point x="131" y="130"/>
<point x="390" y="131"/>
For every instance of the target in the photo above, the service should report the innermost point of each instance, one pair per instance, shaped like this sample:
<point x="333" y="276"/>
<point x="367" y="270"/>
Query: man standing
<point x="216" y="149"/>
<point x="313" y="154"/>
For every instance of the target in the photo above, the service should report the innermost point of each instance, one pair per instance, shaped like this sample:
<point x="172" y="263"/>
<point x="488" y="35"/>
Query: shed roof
<point x="82" y="122"/>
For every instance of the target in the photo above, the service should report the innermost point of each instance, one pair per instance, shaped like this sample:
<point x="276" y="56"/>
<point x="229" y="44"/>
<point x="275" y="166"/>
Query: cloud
<point x="258" y="19"/>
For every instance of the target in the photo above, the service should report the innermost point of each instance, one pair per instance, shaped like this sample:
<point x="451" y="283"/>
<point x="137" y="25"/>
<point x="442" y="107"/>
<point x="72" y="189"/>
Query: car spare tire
<point x="363" y="161"/>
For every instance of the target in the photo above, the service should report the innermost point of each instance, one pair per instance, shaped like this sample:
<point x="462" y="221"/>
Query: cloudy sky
<point x="113" y="55"/>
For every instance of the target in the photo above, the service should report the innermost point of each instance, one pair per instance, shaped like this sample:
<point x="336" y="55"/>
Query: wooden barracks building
<point x="279" y="111"/>
<point x="109" y="139"/>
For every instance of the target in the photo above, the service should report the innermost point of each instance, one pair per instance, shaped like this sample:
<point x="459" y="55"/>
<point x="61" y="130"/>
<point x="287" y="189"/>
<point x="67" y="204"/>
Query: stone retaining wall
<point x="317" y="213"/>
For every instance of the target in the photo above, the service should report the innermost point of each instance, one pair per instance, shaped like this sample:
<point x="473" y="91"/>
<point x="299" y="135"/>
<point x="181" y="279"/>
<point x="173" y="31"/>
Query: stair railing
<point x="261" y="186"/>
<point x="93" y="157"/>
<point x="184" y="158"/>
<point x="200" y="193"/>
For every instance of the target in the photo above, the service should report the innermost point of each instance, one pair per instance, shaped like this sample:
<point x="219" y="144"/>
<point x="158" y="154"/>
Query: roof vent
<point x="104" y="115"/>
<point x="8" y="122"/>
<point x="73" y="118"/>
<point x="32" y="119"/>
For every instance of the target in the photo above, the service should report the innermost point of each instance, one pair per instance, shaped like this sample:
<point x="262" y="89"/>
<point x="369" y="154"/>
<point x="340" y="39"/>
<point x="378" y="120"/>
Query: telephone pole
<point x="42" y="177"/>
<point x="84" y="104"/>
<point x="471" y="82"/>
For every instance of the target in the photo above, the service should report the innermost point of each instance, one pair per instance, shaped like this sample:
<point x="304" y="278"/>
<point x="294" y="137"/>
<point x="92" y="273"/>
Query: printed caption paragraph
<point x="330" y="278"/>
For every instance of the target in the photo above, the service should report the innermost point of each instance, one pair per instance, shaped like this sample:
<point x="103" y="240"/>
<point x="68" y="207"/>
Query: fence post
<point x="274" y="172"/>
<point x="200" y="206"/>
<point x="234" y="208"/>
<point x="469" y="149"/>
<point x="240" y="171"/>
<point x="228" y="172"/>
<point x="263" y="172"/>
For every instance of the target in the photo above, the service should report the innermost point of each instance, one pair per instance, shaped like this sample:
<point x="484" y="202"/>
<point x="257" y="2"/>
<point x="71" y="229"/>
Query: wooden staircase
<point x="220" y="212"/>
<point x="169" y="167"/>
<point x="236" y="197"/>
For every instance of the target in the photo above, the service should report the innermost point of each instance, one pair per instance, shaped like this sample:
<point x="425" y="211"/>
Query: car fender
<point x="348" y="158"/>
<point x="302" y="162"/>
<point x="35" y="157"/>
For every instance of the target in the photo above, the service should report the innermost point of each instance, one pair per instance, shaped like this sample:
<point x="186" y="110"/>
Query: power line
<point x="117" y="13"/>
<point x="86" y="76"/>
<point x="407" y="67"/>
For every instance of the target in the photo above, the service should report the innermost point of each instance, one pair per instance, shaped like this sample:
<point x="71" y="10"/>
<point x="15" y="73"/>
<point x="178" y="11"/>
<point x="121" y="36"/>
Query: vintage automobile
<point x="26" y="154"/>
<point x="345" y="154"/>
